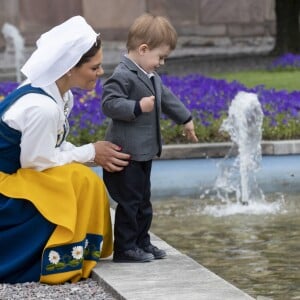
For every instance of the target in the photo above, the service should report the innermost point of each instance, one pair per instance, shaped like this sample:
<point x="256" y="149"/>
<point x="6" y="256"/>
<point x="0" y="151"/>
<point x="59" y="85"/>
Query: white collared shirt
<point x="148" y="74"/>
<point x="40" y="120"/>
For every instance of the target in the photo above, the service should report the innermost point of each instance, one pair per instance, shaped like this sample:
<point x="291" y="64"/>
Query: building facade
<point x="209" y="19"/>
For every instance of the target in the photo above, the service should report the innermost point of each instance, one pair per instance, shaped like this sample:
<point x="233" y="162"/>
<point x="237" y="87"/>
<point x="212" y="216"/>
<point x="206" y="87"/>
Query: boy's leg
<point x="126" y="188"/>
<point x="144" y="217"/>
<point x="145" y="212"/>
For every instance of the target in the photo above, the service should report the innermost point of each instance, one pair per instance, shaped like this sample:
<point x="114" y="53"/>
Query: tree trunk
<point x="287" y="27"/>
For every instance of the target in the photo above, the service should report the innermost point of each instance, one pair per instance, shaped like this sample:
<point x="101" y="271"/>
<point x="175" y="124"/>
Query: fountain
<point x="14" y="49"/>
<point x="244" y="125"/>
<point x="235" y="189"/>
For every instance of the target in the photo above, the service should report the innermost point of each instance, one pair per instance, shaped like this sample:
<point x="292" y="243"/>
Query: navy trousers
<point x="131" y="189"/>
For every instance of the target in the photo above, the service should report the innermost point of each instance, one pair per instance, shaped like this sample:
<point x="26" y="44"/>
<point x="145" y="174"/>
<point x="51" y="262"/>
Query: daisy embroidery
<point x="77" y="252"/>
<point x="54" y="257"/>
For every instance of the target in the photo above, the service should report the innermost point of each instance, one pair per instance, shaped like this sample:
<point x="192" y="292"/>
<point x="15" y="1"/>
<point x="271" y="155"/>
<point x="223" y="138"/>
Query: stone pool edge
<point x="176" y="277"/>
<point x="209" y="150"/>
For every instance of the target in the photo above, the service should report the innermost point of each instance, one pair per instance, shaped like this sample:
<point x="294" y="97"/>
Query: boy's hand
<point x="189" y="131"/>
<point x="147" y="103"/>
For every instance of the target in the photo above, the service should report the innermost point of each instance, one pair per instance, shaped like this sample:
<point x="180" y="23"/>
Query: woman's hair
<point x="153" y="31"/>
<point x="90" y="53"/>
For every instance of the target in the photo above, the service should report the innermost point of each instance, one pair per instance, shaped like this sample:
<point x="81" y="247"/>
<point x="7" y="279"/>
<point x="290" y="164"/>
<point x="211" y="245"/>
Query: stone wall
<point x="208" y="19"/>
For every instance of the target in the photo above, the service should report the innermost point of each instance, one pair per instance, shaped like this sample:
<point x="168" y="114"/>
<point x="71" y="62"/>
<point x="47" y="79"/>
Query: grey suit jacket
<point x="139" y="135"/>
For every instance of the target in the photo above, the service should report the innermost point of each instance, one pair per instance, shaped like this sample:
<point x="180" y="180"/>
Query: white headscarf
<point x="58" y="50"/>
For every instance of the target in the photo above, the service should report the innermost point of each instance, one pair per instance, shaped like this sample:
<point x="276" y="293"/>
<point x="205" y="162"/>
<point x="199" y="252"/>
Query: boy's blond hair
<point x="152" y="30"/>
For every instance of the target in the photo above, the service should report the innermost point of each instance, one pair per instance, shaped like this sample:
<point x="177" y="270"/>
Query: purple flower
<point x="286" y="61"/>
<point x="6" y="87"/>
<point x="208" y="99"/>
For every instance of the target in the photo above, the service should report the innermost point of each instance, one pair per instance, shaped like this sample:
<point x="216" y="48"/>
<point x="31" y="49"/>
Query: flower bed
<point x="207" y="98"/>
<point x="287" y="61"/>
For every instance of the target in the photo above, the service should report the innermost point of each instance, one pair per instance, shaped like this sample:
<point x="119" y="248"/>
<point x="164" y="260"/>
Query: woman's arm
<point x="38" y="118"/>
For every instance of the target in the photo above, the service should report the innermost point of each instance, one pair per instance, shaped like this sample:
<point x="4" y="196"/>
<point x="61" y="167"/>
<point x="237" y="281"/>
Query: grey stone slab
<point x="199" y="150"/>
<point x="286" y="147"/>
<point x="176" y="277"/>
<point x="209" y="150"/>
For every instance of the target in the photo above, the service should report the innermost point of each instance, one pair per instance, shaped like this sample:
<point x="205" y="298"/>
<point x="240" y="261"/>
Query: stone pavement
<point x="176" y="277"/>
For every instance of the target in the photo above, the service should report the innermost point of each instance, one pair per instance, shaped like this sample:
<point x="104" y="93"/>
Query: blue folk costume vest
<point x="55" y="224"/>
<point x="10" y="138"/>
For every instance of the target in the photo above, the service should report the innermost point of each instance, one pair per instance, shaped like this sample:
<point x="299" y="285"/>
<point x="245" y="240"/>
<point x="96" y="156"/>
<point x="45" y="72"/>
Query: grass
<point x="278" y="80"/>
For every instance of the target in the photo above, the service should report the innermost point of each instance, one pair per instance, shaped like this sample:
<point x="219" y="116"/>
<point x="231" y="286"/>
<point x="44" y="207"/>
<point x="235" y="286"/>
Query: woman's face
<point x="86" y="76"/>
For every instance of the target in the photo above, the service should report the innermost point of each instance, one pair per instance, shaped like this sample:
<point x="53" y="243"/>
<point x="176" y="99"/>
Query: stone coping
<point x="210" y="150"/>
<point x="216" y="150"/>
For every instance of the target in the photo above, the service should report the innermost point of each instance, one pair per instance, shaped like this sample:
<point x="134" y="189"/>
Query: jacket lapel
<point x="157" y="92"/>
<point x="140" y="74"/>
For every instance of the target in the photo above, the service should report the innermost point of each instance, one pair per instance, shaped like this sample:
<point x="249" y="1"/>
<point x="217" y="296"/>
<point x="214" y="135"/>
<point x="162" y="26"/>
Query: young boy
<point x="134" y="98"/>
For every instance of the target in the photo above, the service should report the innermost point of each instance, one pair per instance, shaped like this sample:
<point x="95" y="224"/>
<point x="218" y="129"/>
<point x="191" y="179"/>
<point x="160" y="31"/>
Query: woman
<point x="54" y="212"/>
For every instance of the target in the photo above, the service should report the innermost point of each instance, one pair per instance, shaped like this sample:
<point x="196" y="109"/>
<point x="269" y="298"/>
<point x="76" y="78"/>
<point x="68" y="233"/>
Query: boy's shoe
<point x="156" y="252"/>
<point x="132" y="255"/>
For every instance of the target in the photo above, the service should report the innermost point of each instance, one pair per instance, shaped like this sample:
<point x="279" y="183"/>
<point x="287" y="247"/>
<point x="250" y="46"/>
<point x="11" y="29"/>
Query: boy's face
<point x="150" y="60"/>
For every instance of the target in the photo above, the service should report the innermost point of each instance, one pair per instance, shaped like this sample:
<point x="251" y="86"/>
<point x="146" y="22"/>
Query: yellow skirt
<point x="75" y="199"/>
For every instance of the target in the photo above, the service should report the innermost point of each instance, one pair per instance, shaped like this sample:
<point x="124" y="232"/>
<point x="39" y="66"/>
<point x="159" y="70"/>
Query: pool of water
<point x="256" y="249"/>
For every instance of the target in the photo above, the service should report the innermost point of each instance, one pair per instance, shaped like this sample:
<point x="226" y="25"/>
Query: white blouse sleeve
<point x="38" y="123"/>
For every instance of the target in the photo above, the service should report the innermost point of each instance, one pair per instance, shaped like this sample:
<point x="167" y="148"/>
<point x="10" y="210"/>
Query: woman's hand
<point x="109" y="157"/>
